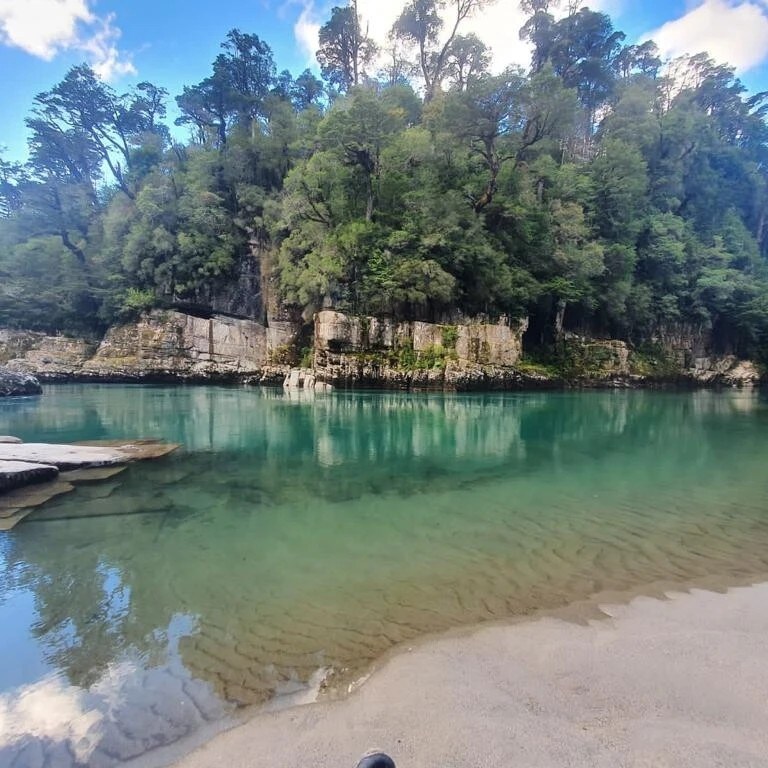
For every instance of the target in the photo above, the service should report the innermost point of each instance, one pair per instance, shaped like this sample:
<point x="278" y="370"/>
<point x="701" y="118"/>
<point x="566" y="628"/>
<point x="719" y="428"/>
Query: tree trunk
<point x="560" y="318"/>
<point x="71" y="247"/>
<point x="369" y="203"/>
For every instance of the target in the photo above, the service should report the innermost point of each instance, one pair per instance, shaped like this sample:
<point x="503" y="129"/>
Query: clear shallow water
<point x="293" y="535"/>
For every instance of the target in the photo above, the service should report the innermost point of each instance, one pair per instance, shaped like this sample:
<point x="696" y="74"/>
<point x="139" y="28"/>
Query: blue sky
<point x="172" y="42"/>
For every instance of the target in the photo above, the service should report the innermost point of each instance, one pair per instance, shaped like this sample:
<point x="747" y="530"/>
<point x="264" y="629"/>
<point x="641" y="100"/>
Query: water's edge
<point x="580" y="612"/>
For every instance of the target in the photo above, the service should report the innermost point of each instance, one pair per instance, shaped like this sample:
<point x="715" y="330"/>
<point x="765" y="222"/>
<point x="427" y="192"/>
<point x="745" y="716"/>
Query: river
<point x="296" y="538"/>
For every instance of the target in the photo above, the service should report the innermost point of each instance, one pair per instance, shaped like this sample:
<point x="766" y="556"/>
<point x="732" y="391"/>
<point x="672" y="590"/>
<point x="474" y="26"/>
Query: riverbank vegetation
<point x="600" y="190"/>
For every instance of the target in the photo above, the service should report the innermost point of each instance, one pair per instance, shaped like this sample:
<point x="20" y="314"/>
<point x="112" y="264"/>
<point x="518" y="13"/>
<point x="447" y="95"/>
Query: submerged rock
<point x="29" y="472"/>
<point x="14" y="383"/>
<point x="15" y="505"/>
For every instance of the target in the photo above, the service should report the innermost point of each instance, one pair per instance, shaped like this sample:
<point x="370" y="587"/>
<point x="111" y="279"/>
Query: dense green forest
<point x="600" y="190"/>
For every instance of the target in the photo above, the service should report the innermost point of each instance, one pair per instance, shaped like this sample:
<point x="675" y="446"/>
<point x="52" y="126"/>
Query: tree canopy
<point x="599" y="191"/>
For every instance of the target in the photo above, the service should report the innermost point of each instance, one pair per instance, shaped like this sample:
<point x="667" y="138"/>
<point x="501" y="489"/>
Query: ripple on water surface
<point x="296" y="535"/>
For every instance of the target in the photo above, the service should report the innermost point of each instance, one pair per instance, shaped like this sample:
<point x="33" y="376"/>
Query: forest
<point x="599" y="190"/>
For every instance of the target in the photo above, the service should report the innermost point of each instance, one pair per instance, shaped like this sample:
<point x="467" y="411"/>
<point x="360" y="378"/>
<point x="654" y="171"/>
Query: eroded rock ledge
<point x="351" y="351"/>
<point x="160" y="346"/>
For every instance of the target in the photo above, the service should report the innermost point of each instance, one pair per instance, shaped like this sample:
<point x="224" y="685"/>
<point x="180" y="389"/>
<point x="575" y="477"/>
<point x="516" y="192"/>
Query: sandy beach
<point x="676" y="682"/>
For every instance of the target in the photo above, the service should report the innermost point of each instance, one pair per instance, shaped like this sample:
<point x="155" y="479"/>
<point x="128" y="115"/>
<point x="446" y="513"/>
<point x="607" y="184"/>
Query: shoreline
<point x="678" y="384"/>
<point x="425" y="702"/>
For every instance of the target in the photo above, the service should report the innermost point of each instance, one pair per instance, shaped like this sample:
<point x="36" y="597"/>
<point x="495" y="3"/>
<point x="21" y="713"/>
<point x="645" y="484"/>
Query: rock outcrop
<point x="305" y="379"/>
<point x="375" y="352"/>
<point x="47" y="357"/>
<point x="17" y="474"/>
<point x="726" y="371"/>
<point x="175" y="345"/>
<point x="161" y="345"/>
<point x="15" y="383"/>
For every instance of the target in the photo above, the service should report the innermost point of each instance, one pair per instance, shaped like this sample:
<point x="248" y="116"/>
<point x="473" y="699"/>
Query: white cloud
<point x="498" y="26"/>
<point x="46" y="28"/>
<point x="101" y="47"/>
<point x="306" y="31"/>
<point x="731" y="33"/>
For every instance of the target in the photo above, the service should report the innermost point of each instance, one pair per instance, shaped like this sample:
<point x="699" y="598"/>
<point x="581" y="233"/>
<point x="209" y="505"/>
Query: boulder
<point x="14" y="383"/>
<point x="304" y="379"/>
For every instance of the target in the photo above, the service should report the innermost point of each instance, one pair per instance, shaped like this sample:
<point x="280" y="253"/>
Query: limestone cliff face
<point x="162" y="345"/>
<point x="680" y="361"/>
<point x="174" y="344"/>
<point x="362" y="352"/>
<point x="48" y="357"/>
<point x="376" y="352"/>
<point x="474" y="342"/>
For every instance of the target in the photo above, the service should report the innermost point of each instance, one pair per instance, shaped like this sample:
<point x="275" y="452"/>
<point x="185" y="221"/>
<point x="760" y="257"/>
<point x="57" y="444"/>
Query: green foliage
<point x="137" y="301"/>
<point x="450" y="334"/>
<point x="589" y="194"/>
<point x="306" y="357"/>
<point x="652" y="360"/>
<point x="433" y="357"/>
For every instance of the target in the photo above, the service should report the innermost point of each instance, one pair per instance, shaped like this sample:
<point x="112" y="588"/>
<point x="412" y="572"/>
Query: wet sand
<point x="677" y="682"/>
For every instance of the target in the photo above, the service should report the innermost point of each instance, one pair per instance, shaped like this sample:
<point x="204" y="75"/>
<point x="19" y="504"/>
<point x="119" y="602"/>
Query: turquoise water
<point x="299" y="538"/>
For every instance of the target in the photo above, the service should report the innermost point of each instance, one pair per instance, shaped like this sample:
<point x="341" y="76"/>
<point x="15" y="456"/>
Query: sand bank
<point x="682" y="682"/>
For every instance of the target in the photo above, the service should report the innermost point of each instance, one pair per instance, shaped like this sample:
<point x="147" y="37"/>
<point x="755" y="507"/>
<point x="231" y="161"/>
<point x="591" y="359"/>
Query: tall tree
<point x="10" y="195"/>
<point x="234" y="94"/>
<point x="81" y="126"/>
<point x="420" y="25"/>
<point x="503" y="116"/>
<point x="345" y="49"/>
<point x="468" y="60"/>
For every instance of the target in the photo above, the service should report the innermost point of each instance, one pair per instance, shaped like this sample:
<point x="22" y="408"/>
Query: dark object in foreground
<point x="13" y="383"/>
<point x="376" y="760"/>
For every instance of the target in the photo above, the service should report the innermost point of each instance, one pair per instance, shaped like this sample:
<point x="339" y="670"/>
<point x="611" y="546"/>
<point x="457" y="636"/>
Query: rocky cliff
<point x="353" y="351"/>
<point x="48" y="357"/>
<point x="375" y="352"/>
<point x="162" y="345"/>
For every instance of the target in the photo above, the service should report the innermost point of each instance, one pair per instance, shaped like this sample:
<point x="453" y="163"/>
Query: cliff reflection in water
<point x="295" y="533"/>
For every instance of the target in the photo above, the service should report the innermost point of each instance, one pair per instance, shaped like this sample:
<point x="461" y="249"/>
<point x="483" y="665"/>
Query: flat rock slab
<point x="63" y="456"/>
<point x="16" y="474"/>
<point x="136" y="450"/>
<point x="82" y="456"/>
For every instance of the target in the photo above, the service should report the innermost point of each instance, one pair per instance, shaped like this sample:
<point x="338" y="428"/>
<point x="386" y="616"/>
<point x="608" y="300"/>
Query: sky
<point x="173" y="42"/>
